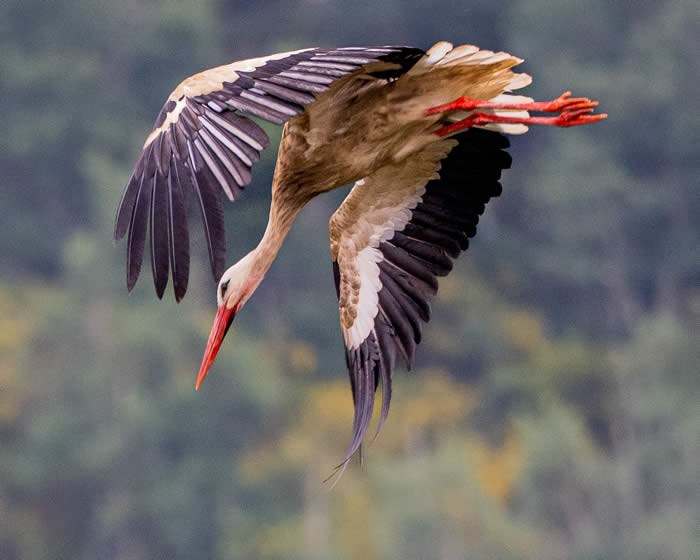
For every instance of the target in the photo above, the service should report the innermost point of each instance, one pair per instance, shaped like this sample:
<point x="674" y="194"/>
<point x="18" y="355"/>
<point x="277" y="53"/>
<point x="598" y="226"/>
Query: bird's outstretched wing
<point x="395" y="233"/>
<point x="201" y="143"/>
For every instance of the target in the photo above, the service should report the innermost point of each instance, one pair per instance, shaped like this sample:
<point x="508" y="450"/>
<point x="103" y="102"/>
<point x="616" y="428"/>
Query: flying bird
<point x="421" y="136"/>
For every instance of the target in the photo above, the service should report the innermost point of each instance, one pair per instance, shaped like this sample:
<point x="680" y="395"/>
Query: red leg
<point x="573" y="111"/>
<point x="562" y="103"/>
<point x="567" y="118"/>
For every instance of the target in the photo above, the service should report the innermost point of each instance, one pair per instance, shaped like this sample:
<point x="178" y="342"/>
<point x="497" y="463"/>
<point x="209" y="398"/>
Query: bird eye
<point x="224" y="287"/>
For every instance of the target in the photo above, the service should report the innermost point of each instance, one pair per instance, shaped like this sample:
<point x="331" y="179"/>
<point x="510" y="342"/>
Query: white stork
<point x="419" y="133"/>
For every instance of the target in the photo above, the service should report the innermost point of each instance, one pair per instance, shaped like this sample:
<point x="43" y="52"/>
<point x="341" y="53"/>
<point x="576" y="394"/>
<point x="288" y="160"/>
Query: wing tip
<point x="131" y="278"/>
<point x="160" y="286"/>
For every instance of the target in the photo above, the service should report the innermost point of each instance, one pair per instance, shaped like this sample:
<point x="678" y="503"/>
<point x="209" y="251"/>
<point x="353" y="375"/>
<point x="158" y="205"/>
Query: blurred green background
<point x="554" y="410"/>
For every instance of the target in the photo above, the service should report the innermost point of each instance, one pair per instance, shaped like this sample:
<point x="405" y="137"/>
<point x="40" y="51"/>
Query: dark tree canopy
<point x="552" y="412"/>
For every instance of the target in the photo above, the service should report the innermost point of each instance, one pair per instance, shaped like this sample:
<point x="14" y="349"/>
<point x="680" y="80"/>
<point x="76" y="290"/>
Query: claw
<point x="574" y="118"/>
<point x="580" y="105"/>
<point x="562" y="103"/>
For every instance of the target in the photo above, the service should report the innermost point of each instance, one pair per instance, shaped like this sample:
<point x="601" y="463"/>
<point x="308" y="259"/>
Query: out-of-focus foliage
<point x="554" y="410"/>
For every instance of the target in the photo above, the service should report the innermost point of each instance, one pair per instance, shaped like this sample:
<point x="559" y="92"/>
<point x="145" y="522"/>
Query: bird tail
<point x="445" y="73"/>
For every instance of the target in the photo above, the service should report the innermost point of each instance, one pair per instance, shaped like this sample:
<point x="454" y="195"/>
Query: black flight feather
<point x="410" y="310"/>
<point x="453" y="245"/>
<point x="311" y="77"/>
<point x="212" y="213"/>
<point x="159" y="234"/>
<point x="284" y="93"/>
<point x="257" y="110"/>
<point x="178" y="235"/>
<point x="294" y="83"/>
<point x="400" y="323"/>
<point x="273" y="103"/>
<point x="137" y="232"/>
<point x="417" y="290"/>
<point x="126" y="206"/>
<point x="422" y="250"/>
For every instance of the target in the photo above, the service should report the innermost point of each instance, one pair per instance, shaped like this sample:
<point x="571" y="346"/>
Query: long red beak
<point x="222" y="322"/>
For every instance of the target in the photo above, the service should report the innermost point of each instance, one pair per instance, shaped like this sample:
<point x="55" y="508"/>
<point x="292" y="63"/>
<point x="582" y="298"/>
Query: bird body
<point x="418" y="133"/>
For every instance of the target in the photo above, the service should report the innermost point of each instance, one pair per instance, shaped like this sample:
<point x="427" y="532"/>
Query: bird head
<point x="235" y="287"/>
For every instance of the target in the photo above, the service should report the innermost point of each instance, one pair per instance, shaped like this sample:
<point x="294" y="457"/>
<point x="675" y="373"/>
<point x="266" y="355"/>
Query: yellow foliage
<point x="439" y="402"/>
<point x="455" y="505"/>
<point x="329" y="408"/>
<point x="355" y="522"/>
<point x="302" y="357"/>
<point x="296" y="447"/>
<point x="9" y="403"/>
<point x="276" y="541"/>
<point x="324" y="424"/>
<point x="16" y="327"/>
<point x="497" y="468"/>
<point x="322" y="431"/>
<point x="10" y="334"/>
<point x="524" y="331"/>
<point x="256" y="466"/>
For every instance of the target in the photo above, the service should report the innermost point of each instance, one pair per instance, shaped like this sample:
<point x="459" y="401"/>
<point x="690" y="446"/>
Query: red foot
<point x="564" y="103"/>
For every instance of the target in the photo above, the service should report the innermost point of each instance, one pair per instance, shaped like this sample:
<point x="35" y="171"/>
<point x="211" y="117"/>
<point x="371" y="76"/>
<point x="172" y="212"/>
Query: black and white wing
<point x="396" y="232"/>
<point x="202" y="144"/>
